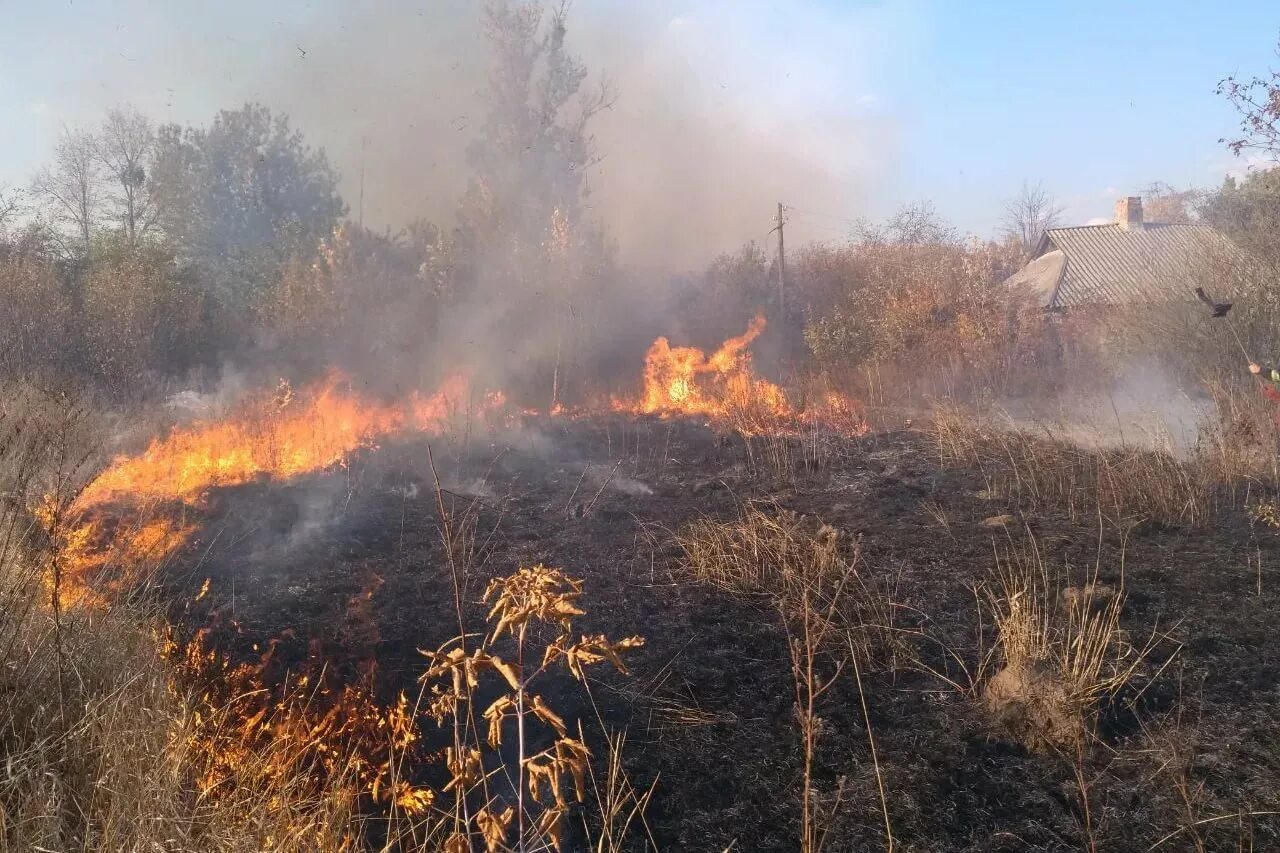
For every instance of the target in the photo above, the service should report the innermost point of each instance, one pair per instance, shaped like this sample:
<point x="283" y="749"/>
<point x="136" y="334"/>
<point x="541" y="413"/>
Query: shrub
<point x="935" y="308"/>
<point x="1062" y="652"/>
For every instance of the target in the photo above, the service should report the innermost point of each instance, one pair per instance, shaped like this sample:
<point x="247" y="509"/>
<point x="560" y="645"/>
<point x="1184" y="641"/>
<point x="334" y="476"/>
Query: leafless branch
<point x="1027" y="216"/>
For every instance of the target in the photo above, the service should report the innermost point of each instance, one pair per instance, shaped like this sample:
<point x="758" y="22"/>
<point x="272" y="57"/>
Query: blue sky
<point x="841" y="109"/>
<point x="1089" y="97"/>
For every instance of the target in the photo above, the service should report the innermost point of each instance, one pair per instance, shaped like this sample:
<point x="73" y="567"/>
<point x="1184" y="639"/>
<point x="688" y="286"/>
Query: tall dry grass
<point x="98" y="734"/>
<point x="838" y="623"/>
<point x="1232" y="463"/>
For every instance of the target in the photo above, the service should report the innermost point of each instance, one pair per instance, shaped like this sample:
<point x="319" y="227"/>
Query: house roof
<point x="1041" y="276"/>
<point x="1111" y="265"/>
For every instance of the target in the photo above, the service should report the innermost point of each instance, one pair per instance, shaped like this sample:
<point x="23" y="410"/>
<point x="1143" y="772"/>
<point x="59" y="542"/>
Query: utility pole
<point x="782" y="266"/>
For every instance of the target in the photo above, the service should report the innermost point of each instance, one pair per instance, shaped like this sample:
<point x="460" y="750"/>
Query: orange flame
<point x="724" y="387"/>
<point x="685" y="381"/>
<point x="285" y="436"/>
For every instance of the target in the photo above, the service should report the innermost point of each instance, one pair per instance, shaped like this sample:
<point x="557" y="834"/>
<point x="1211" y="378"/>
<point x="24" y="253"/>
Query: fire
<point x="686" y="381"/>
<point x="284" y="436"/>
<point x="98" y="557"/>
<point x="725" y="388"/>
<point x="292" y="433"/>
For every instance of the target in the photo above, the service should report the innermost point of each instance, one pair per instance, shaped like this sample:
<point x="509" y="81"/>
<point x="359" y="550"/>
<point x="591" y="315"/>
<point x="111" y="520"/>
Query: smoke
<point x="1145" y="407"/>
<point x="713" y="124"/>
<point x="718" y="121"/>
<point x="723" y="109"/>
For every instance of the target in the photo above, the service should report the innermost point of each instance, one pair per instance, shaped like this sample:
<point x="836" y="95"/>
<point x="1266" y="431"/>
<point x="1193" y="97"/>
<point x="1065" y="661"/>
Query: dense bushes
<point x="37" y="309"/>
<point x="909" y="298"/>
<point x="139" y="316"/>
<point x="925" y="305"/>
<point x="362" y="301"/>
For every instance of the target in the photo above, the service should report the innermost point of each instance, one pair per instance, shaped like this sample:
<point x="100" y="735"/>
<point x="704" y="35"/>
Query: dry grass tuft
<point x="772" y="551"/>
<point x="1061" y="650"/>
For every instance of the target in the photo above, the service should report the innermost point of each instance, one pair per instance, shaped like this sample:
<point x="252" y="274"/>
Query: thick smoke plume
<point x="709" y="131"/>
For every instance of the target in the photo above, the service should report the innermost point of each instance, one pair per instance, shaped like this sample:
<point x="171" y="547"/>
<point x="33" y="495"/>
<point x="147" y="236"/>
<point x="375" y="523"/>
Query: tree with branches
<point x="1257" y="100"/>
<point x="1028" y="215"/>
<point x="524" y="240"/>
<point x="10" y="205"/>
<point x="70" y="190"/>
<point x="124" y="146"/>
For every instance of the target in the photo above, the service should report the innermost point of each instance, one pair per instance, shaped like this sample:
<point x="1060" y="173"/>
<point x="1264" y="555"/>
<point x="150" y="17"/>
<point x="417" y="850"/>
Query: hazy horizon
<point x="839" y="110"/>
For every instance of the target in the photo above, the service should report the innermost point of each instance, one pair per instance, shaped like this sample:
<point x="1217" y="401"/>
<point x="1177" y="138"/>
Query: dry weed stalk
<point x="536" y="597"/>
<point x="831" y="615"/>
<point x="622" y="806"/>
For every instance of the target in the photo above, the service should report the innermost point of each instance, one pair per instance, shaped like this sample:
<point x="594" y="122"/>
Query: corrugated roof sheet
<point x="1108" y="265"/>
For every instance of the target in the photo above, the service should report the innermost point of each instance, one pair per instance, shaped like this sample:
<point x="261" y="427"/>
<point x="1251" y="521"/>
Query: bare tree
<point x="1257" y="99"/>
<point x="125" y="143"/>
<point x="1162" y="203"/>
<point x="70" y="187"/>
<point x="10" y="205"/>
<point x="1029" y="215"/>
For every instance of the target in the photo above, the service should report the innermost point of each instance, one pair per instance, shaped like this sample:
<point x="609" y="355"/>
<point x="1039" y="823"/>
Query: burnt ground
<point x="352" y="561"/>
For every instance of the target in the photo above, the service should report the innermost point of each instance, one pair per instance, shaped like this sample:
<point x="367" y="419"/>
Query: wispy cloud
<point x="1227" y="166"/>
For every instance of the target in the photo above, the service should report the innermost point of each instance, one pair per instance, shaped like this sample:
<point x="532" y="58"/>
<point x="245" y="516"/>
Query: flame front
<point x="290" y="433"/>
<point x="725" y="388"/>
<point x="281" y="437"/>
<point x="685" y="381"/>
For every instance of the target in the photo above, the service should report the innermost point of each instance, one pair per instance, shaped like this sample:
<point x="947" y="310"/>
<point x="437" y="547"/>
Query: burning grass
<point x="725" y="388"/>
<point x="132" y="515"/>
<point x="293" y="746"/>
<point x="120" y="735"/>
<point x="135" y="740"/>
<point x="289" y="752"/>
<point x="280" y="436"/>
<point x="133" y="512"/>
<point x="101" y="742"/>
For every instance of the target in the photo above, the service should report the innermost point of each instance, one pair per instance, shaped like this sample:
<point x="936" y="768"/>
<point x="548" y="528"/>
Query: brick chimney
<point x="1129" y="213"/>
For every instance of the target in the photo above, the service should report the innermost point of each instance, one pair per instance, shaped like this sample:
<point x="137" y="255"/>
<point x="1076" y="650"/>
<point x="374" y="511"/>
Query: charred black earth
<point x="351" y="562"/>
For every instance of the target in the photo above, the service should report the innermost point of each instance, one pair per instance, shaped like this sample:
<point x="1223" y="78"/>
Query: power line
<point x="831" y="216"/>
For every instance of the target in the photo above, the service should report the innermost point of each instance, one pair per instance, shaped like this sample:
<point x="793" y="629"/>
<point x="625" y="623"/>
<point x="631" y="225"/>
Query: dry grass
<point x="1061" y="652"/>
<point x="1045" y="473"/>
<point x="778" y="445"/>
<point x="772" y="551"/>
<point x="836" y="621"/>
